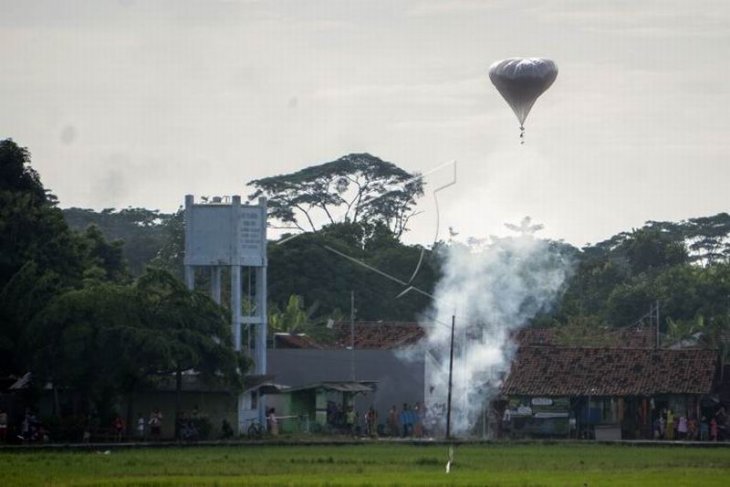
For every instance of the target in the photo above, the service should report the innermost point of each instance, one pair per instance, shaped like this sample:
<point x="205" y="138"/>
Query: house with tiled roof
<point x="353" y="353"/>
<point x="377" y="335"/>
<point x="605" y="392"/>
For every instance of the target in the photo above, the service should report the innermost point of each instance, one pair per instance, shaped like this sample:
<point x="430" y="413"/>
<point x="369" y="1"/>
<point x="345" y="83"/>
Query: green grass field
<point x="374" y="464"/>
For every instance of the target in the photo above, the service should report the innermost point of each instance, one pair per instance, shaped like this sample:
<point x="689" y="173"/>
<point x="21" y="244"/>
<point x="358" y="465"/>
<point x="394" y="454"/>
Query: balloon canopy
<point x="521" y="81"/>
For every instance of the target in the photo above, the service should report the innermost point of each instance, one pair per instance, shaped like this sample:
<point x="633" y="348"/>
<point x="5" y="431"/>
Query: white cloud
<point x="649" y="18"/>
<point x="441" y="7"/>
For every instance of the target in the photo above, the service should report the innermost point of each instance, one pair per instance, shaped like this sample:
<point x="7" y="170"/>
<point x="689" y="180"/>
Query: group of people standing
<point x="667" y="426"/>
<point x="143" y="428"/>
<point x="409" y="422"/>
<point x="31" y="429"/>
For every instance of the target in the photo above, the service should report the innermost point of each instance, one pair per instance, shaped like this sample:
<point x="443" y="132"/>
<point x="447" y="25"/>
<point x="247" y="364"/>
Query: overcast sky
<point x="136" y="103"/>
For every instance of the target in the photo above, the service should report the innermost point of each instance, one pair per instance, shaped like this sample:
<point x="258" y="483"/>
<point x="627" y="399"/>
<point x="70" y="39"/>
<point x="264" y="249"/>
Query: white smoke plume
<point x="492" y="290"/>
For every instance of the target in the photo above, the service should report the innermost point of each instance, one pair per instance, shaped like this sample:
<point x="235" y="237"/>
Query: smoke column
<point x="493" y="290"/>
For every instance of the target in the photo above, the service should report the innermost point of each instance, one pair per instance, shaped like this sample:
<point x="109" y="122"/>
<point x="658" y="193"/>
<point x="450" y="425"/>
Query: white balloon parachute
<point x="521" y="81"/>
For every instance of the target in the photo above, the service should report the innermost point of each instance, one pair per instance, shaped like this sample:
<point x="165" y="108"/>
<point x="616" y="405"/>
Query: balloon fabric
<point x="521" y="81"/>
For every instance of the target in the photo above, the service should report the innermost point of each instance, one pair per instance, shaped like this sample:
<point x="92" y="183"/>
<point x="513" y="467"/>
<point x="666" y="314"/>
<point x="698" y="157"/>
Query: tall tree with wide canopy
<point x="196" y="332"/>
<point x="39" y="255"/>
<point x="307" y="267"/>
<point x="354" y="188"/>
<point x="77" y="343"/>
<point x="106" y="340"/>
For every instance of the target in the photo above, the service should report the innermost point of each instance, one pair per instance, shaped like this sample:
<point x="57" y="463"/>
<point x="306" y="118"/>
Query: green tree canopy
<point x="141" y="232"/>
<point x="106" y="340"/>
<point x="16" y="174"/>
<point x="75" y="342"/>
<point x="354" y="188"/>
<point x="195" y="330"/>
<point x="312" y="266"/>
<point x="39" y="255"/>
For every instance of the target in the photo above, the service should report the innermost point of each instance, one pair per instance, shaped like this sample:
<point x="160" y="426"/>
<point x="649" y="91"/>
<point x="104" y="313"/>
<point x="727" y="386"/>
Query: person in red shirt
<point x="118" y="426"/>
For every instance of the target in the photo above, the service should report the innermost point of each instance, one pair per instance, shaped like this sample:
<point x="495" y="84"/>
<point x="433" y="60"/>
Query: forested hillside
<point x="106" y="284"/>
<point x="140" y="231"/>
<point x="680" y="267"/>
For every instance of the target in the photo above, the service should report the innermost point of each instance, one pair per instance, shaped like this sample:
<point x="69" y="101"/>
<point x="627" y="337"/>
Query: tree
<point x="615" y="280"/>
<point x="583" y="331"/>
<point x="293" y="318"/>
<point x="39" y="255"/>
<point x="360" y="187"/>
<point x="306" y="266"/>
<point x="106" y="340"/>
<point x="708" y="238"/>
<point x="102" y="256"/>
<point x="17" y="175"/>
<point x="195" y="329"/>
<point x="171" y="253"/>
<point x="649" y="249"/>
<point x="140" y="231"/>
<point x="23" y="296"/>
<point x="31" y="227"/>
<point x="77" y="341"/>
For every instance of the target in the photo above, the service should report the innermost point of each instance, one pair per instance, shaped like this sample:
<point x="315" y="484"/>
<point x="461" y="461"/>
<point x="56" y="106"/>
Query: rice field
<point x="372" y="464"/>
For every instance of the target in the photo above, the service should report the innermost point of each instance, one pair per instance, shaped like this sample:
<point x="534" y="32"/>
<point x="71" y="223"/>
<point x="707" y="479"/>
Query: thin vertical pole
<point x="484" y="422"/>
<point x="451" y="370"/>
<point x="657" y="325"/>
<point x="261" y="328"/>
<point x="236" y="307"/>
<point x="189" y="269"/>
<point x="352" y="335"/>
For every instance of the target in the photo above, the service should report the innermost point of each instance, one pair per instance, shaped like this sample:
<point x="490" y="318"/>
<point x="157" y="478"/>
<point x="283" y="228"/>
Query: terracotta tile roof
<point x="561" y="371"/>
<point x="378" y="335"/>
<point x="288" y="340"/>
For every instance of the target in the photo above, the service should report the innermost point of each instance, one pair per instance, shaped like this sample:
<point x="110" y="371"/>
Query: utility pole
<point x="352" y="335"/>
<point x="657" y="325"/>
<point x="451" y="370"/>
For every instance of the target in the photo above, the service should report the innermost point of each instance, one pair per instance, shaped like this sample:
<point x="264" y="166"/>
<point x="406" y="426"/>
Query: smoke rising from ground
<point x="493" y="290"/>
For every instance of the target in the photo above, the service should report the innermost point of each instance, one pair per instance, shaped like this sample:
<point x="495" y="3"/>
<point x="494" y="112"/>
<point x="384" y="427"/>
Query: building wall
<point x="398" y="381"/>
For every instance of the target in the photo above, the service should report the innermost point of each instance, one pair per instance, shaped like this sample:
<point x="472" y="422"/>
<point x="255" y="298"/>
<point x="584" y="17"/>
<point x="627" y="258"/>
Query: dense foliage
<point x="71" y="314"/>
<point x="356" y="188"/>
<point x="683" y="267"/>
<point x="142" y="231"/>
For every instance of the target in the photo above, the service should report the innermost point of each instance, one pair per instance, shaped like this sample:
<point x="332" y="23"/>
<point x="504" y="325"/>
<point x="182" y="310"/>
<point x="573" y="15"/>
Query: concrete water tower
<point x="221" y="233"/>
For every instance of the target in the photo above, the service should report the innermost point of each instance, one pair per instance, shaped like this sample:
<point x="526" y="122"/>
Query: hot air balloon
<point x="520" y="81"/>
